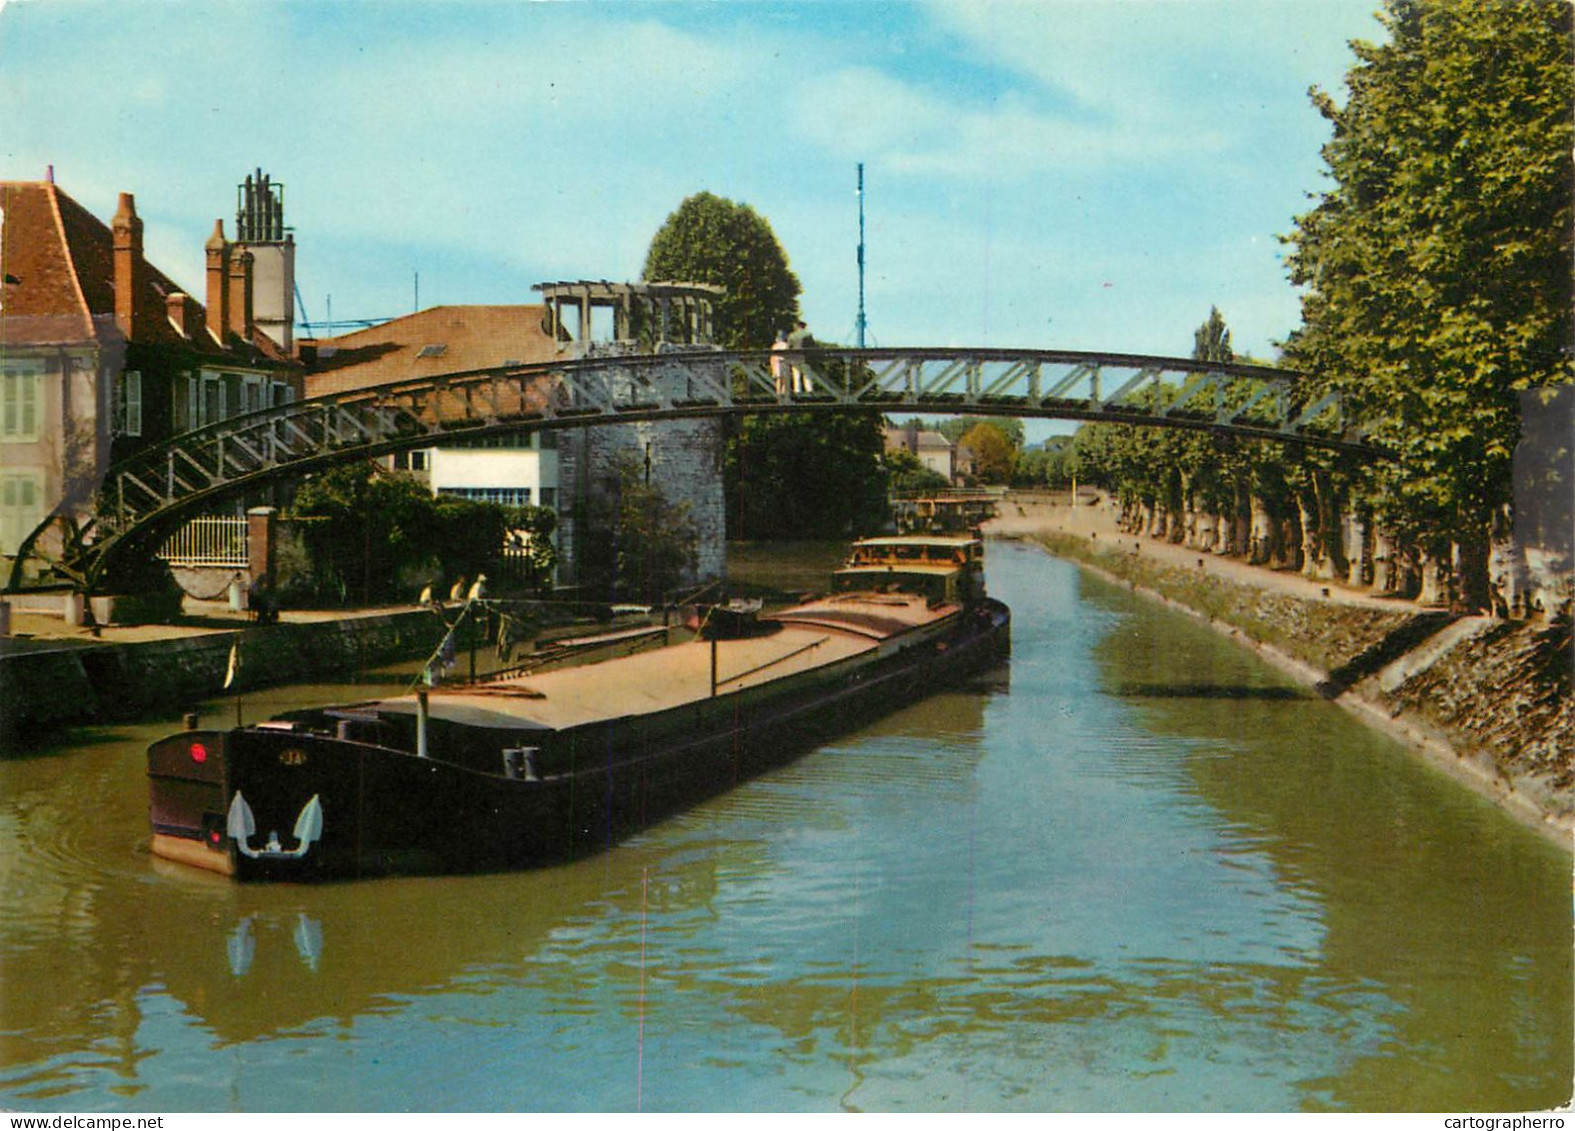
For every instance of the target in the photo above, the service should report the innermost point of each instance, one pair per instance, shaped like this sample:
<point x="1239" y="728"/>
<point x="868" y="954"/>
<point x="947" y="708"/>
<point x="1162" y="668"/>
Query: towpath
<point x="1027" y="515"/>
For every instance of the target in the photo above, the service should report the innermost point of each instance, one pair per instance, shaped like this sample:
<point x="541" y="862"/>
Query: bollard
<point x="237" y="595"/>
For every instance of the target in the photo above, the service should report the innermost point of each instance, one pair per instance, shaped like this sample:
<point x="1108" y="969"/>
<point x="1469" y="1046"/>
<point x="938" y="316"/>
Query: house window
<point x="128" y="404"/>
<point x="503" y="496"/>
<point x="251" y="394"/>
<point x="20" y="409"/>
<point x="21" y="507"/>
<point x="213" y="406"/>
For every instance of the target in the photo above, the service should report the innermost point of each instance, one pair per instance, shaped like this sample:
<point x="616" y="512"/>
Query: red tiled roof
<point x="471" y="337"/>
<point x="925" y="440"/>
<point x="42" y="299"/>
<point x="59" y="282"/>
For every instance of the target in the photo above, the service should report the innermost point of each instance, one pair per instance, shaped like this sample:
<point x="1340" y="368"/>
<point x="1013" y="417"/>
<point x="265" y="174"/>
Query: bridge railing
<point x="224" y="458"/>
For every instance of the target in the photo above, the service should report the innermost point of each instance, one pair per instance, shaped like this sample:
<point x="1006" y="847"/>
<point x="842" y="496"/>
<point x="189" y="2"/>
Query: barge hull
<point x="384" y="810"/>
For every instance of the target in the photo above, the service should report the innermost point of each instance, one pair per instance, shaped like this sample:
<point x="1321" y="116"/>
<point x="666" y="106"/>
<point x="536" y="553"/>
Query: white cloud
<point x="860" y="111"/>
<point x="1036" y="153"/>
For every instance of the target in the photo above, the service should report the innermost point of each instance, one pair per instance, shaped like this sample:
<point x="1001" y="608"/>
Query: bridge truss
<point x="144" y="496"/>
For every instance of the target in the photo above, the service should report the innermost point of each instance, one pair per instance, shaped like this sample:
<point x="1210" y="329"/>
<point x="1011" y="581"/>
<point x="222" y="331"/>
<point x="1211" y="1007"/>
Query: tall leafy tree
<point x="1436" y="269"/>
<point x="712" y="240"/>
<point x="641" y="545"/>
<point x="953" y="428"/>
<point x="993" y="454"/>
<point x="1211" y="341"/>
<point x="798" y="475"/>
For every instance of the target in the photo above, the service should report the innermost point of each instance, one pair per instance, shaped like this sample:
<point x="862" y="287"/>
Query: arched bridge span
<point x="144" y="495"/>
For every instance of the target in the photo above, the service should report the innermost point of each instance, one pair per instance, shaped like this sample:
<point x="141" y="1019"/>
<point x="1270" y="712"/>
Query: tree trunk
<point x="1290" y="556"/>
<point x="1176" y="510"/>
<point x="1240" y="520"/>
<point x="1203" y="528"/>
<point x="1469" y="557"/>
<point x="1434" y="570"/>
<point x="1263" y="542"/>
<point x="1386" y="563"/>
<point x="1331" y="559"/>
<point x="1356" y="553"/>
<point x="1312" y="564"/>
<point x="1511" y="579"/>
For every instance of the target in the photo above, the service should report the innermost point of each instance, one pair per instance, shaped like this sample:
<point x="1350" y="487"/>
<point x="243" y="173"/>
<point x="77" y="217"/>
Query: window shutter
<point x="29" y="387"/>
<point x="133" y="402"/>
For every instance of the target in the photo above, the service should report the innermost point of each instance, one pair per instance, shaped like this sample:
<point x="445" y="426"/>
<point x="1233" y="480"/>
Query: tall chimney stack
<point x="179" y="309"/>
<point x="218" y="281"/>
<point x="129" y="270"/>
<point x="241" y="294"/>
<point x="260" y="230"/>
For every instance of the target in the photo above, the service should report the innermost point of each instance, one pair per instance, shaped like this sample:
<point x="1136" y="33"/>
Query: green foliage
<point x="639" y="545"/>
<point x="156" y="595"/>
<point x="803" y="475"/>
<point x="989" y="451"/>
<point x="1211" y="341"/>
<point x="1436" y="271"/>
<point x="712" y="240"/>
<point x="906" y="474"/>
<point x="533" y="527"/>
<point x="1053" y="466"/>
<point x="954" y="428"/>
<point x="378" y="532"/>
<point x="469" y="535"/>
<point x="1169" y="468"/>
<point x="806" y="475"/>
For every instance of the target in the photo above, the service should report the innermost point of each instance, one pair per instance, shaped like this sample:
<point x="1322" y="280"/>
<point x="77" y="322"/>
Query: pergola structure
<point x="677" y="313"/>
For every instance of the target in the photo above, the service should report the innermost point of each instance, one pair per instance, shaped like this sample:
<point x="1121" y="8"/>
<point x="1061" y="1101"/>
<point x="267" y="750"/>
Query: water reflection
<point x="1426" y="893"/>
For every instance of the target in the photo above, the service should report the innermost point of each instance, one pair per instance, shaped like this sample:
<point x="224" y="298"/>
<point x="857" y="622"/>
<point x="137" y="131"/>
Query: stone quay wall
<point x="76" y="685"/>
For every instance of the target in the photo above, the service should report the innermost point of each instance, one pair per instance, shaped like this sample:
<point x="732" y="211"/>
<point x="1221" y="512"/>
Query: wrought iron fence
<point x="218" y="541"/>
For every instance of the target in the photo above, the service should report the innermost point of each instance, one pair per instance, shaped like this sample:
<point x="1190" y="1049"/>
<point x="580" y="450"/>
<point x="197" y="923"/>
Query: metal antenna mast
<point x="860" y="325"/>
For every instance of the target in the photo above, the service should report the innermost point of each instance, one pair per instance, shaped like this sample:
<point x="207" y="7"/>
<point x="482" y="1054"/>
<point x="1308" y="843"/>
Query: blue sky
<point x="1046" y="174"/>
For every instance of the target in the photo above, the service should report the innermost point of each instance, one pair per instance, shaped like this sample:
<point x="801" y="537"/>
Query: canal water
<point x="1133" y="869"/>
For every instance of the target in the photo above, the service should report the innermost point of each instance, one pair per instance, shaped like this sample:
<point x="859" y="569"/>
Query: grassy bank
<point x="1493" y="697"/>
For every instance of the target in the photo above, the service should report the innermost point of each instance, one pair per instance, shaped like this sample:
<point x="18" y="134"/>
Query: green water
<point x="1134" y="869"/>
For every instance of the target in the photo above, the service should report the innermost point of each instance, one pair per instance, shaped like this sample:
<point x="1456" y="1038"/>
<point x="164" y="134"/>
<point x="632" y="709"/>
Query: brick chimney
<point x="218" y="281"/>
<point x="129" y="269"/>
<point x="240" y="321"/>
<point x="181" y="311"/>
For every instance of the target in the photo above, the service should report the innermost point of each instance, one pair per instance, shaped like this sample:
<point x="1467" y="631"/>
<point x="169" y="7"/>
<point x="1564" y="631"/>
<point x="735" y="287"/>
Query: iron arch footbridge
<point x="143" y="497"/>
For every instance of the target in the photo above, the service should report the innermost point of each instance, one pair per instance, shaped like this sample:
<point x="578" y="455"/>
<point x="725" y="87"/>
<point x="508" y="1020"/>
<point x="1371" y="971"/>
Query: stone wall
<point x="685" y="463"/>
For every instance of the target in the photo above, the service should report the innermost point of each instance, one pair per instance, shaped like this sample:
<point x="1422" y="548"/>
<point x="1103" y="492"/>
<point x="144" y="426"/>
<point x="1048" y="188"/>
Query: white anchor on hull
<point x="241" y="825"/>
